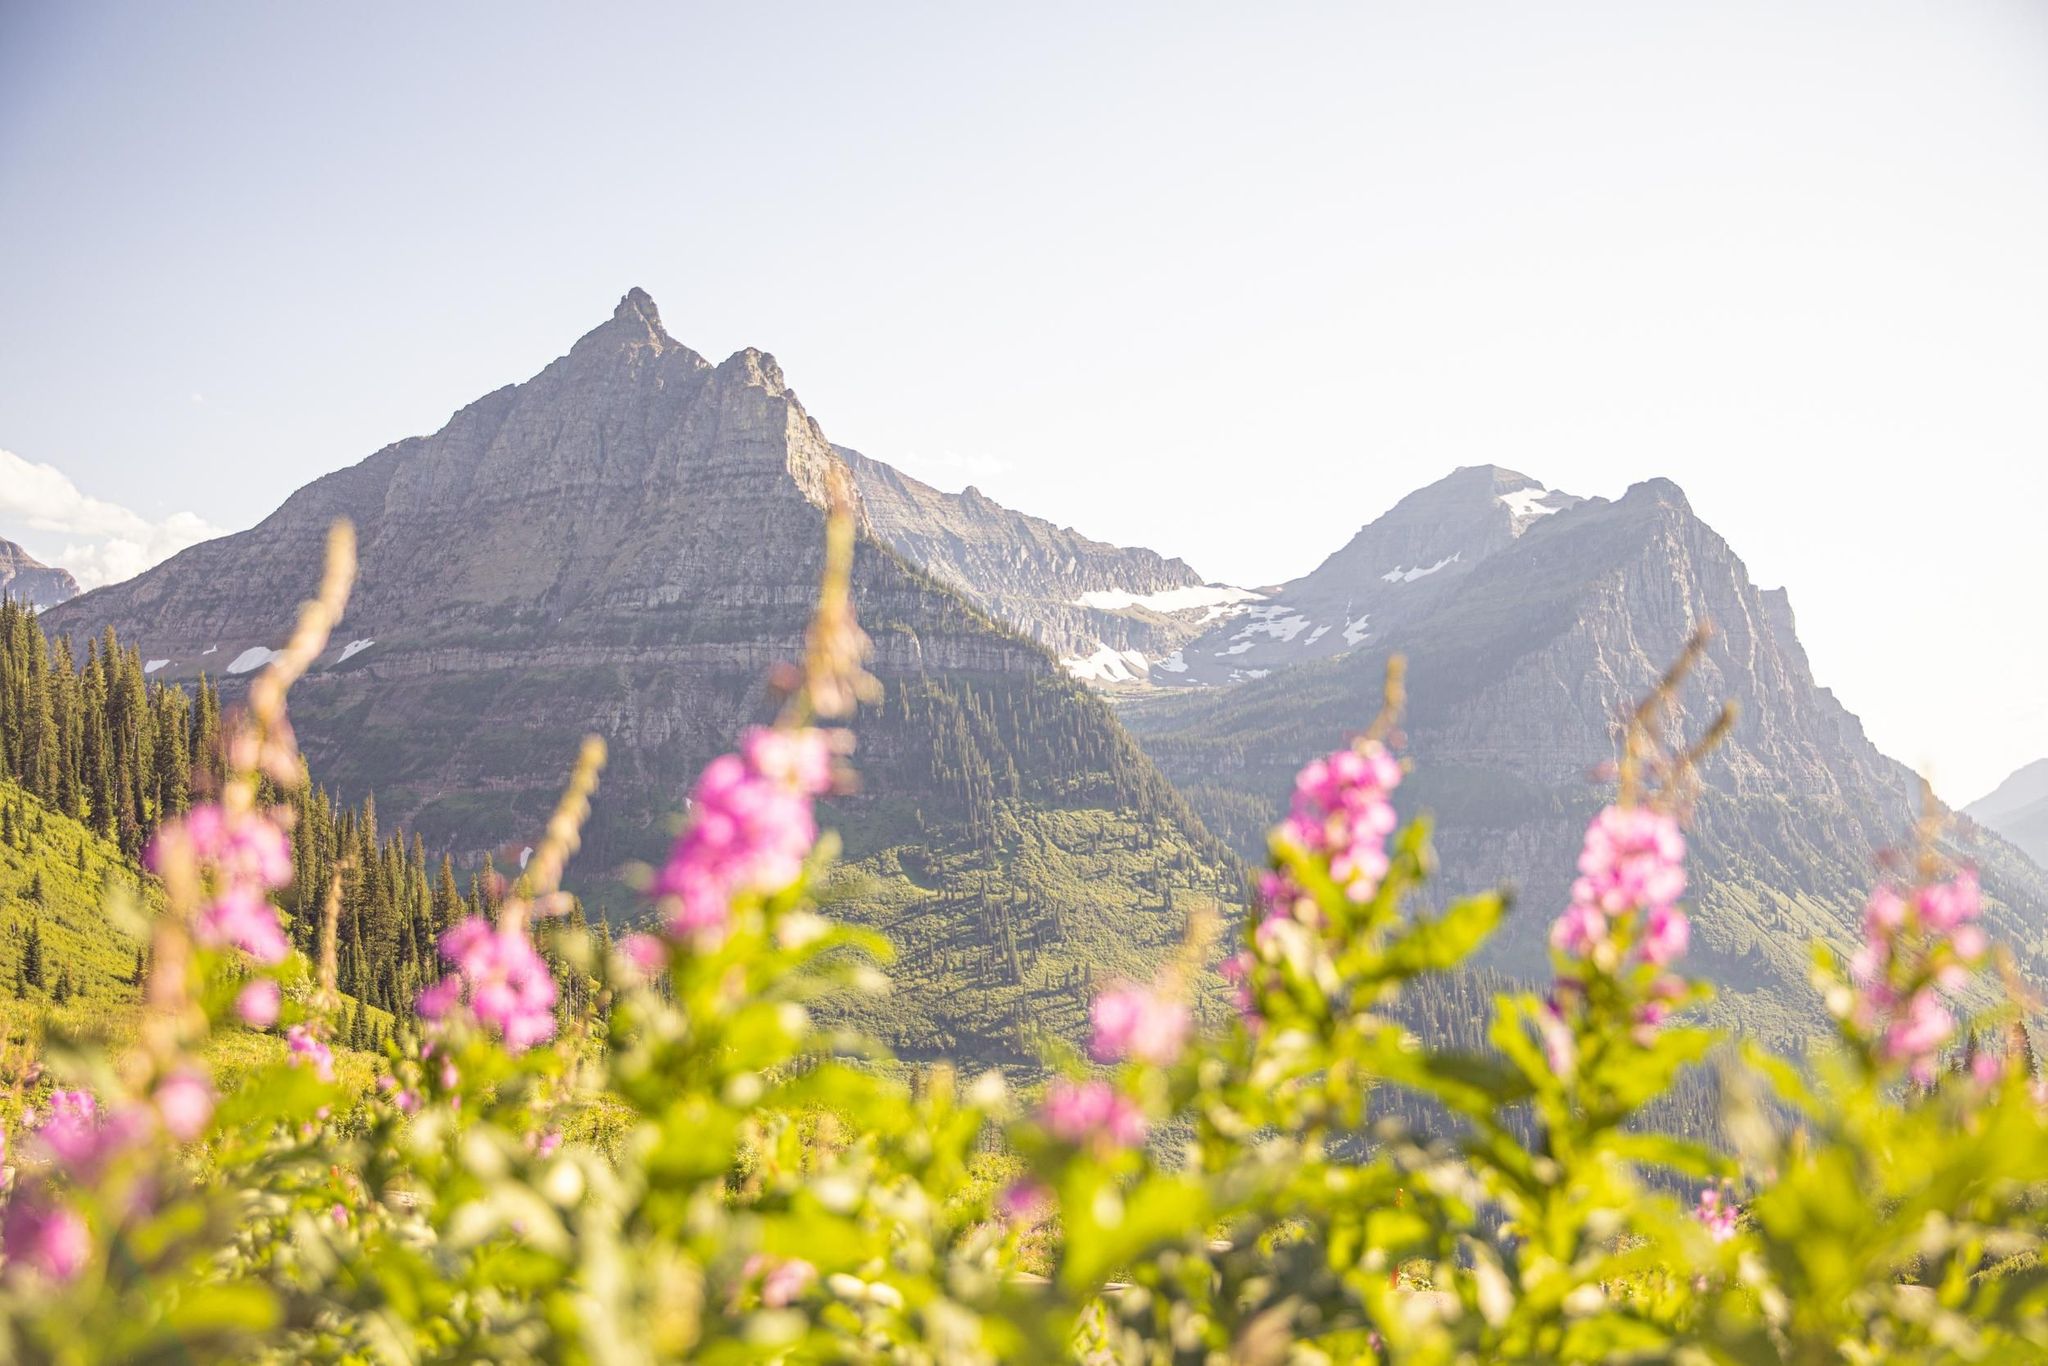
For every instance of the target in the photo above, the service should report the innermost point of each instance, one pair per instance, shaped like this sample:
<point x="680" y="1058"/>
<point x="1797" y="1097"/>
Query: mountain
<point x="1394" y="569"/>
<point x="1108" y="612"/>
<point x="626" y="543"/>
<point x="1530" y="646"/>
<point x="2018" y="809"/>
<point x="25" y="577"/>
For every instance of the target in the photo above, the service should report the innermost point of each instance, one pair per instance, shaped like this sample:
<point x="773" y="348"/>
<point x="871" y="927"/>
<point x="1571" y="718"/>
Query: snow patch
<point x="354" y="647"/>
<point x="525" y="854"/>
<point x="1214" y="596"/>
<point x="1524" y="505"/>
<point x="1271" y="623"/>
<point x="209" y="649"/>
<point x="1236" y="649"/>
<point x="1399" y="575"/>
<point x="255" y="657"/>
<point x="1355" y="631"/>
<point x="1175" y="663"/>
<point x="1107" y="665"/>
<point x="1318" y="634"/>
<point x="154" y="665"/>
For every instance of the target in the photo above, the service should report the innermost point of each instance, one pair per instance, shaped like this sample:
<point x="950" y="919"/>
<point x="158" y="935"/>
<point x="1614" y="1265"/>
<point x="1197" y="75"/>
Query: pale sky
<point x="1221" y="280"/>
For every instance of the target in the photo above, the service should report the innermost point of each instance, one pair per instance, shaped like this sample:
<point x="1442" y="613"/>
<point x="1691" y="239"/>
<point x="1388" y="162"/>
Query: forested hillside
<point x="96" y="756"/>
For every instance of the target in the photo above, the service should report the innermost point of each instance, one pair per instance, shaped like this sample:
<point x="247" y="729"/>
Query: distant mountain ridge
<point x="2018" y="809"/>
<point x="1521" y="667"/>
<point x="1394" y="568"/>
<point x="27" y="578"/>
<point x="1109" y="612"/>
<point x="626" y="543"/>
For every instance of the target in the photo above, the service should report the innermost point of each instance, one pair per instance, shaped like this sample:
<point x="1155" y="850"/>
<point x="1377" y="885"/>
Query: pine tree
<point x="32" y="954"/>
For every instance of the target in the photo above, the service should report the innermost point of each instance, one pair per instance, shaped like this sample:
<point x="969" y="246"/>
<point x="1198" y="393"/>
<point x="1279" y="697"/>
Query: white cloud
<point x="102" y="542"/>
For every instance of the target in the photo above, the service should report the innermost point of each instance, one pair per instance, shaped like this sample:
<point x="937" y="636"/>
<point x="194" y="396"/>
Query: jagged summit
<point x="634" y="325"/>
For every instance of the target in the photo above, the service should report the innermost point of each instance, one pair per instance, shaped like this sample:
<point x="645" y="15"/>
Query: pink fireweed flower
<point x="504" y="978"/>
<point x="70" y="1132"/>
<point x="241" y="859"/>
<point x="258" y="1003"/>
<point x="1718" y="1213"/>
<point x="1024" y="1201"/>
<point x="304" y="1050"/>
<point x="1666" y="935"/>
<point x="751" y="826"/>
<point x="647" y="955"/>
<point x="783" y="1279"/>
<point x="1633" y="859"/>
<point x="1579" y="931"/>
<point x="1915" y="1035"/>
<point x="1092" y="1113"/>
<point x="1914" y="946"/>
<point x="184" y="1102"/>
<point x="1140" y="1023"/>
<point x="1340" y="812"/>
<point x="39" y="1234"/>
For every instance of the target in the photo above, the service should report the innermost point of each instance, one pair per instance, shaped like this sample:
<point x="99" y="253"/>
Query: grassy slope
<point x="82" y="929"/>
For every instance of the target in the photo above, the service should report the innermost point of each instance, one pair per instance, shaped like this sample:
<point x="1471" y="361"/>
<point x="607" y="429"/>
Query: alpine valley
<point x="627" y="542"/>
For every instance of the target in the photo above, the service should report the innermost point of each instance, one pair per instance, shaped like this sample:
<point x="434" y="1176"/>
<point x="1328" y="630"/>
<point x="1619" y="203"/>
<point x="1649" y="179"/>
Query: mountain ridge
<point x="24" y="576"/>
<point x="627" y="543"/>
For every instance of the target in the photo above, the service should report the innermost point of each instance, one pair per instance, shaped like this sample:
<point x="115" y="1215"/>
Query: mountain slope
<point x="2018" y="809"/>
<point x="27" y="578"/>
<point x="1107" y="611"/>
<point x="1520" y="673"/>
<point x="626" y="543"/>
<point x="1396" y="568"/>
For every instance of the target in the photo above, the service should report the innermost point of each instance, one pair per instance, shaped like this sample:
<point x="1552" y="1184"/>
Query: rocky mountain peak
<point x="757" y="368"/>
<point x="24" y="577"/>
<point x="634" y="325"/>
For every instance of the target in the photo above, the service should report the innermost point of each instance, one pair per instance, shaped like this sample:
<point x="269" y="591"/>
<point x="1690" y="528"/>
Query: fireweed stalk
<point x="96" y="1169"/>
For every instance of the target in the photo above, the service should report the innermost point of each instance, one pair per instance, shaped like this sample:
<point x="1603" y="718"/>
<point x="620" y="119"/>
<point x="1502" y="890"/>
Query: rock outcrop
<point x="28" y="579"/>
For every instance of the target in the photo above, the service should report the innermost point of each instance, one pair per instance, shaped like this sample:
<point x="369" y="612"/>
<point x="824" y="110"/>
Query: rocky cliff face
<point x="1108" y="612"/>
<point x="1394" y="569"/>
<point x="624" y="544"/>
<point x="1521" y="669"/>
<point x="27" y="579"/>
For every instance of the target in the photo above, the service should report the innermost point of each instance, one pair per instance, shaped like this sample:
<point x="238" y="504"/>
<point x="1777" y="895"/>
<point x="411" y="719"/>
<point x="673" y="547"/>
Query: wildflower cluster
<point x="751" y="826"/>
<point x="1918" y="949"/>
<point x="502" y="979"/>
<point x="242" y="856"/>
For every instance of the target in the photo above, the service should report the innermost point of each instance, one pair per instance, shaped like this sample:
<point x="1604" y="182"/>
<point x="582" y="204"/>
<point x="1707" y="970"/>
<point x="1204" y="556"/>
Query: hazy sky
<point x="1225" y="281"/>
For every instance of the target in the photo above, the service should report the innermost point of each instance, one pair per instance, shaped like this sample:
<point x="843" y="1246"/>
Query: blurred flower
<point x="1093" y="1113"/>
<point x="1718" y="1213"/>
<point x="184" y="1101"/>
<point x="304" y="1050"/>
<point x="258" y="1002"/>
<point x="783" y="1279"/>
<point x="504" y="979"/>
<point x="751" y="826"/>
<point x="1141" y="1023"/>
<point x="40" y="1233"/>
<point x="239" y="860"/>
